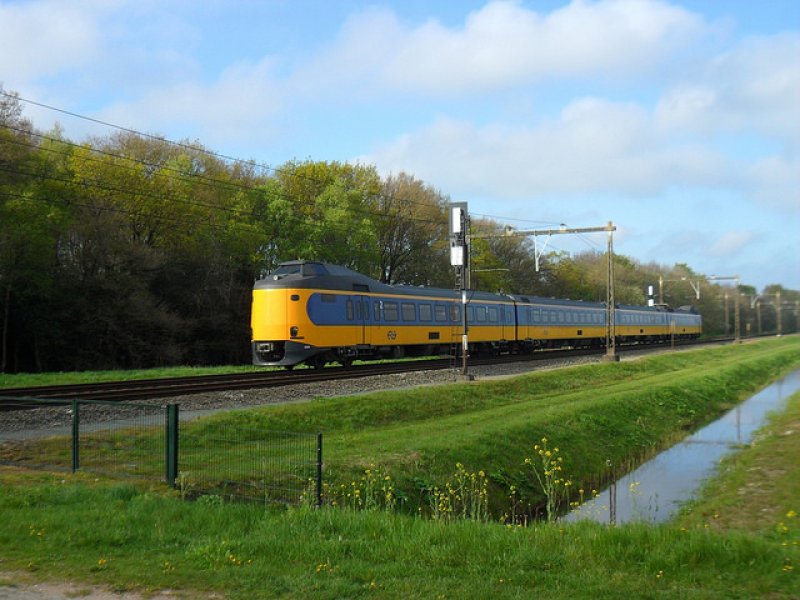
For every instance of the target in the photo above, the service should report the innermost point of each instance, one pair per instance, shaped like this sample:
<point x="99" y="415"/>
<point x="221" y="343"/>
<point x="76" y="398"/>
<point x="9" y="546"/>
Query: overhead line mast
<point x="611" y="345"/>
<point x="460" y="251"/>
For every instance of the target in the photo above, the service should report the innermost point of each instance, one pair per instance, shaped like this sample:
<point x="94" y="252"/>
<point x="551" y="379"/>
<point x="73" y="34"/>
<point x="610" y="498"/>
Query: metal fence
<point x="120" y="439"/>
<point x="234" y="461"/>
<point x="242" y="462"/>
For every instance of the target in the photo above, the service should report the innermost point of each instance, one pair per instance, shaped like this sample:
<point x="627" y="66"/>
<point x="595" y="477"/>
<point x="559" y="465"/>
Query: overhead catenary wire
<point x="223" y="157"/>
<point x="178" y="174"/>
<point x="203" y="178"/>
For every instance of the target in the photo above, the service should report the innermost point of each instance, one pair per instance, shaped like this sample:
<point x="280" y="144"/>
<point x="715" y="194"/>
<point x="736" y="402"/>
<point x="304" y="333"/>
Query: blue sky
<point x="677" y="120"/>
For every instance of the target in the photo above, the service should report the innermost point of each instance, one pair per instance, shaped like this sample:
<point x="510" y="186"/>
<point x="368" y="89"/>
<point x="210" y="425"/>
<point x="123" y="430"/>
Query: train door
<point x="364" y="321"/>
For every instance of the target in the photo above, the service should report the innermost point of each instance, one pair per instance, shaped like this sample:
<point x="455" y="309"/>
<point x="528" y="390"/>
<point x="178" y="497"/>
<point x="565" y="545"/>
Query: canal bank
<point x="655" y="491"/>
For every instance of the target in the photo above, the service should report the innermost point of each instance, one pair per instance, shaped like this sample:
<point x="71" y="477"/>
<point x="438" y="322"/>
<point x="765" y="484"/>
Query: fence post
<point x="172" y="445"/>
<point x="76" y="428"/>
<point x="319" y="470"/>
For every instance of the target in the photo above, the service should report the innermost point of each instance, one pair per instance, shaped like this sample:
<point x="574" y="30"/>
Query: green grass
<point x="127" y="536"/>
<point x="758" y="488"/>
<point x="622" y="412"/>
<point x="617" y="412"/>
<point x="72" y="377"/>
<point x="101" y="532"/>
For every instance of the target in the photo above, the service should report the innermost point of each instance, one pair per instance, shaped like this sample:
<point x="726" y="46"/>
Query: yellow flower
<point x="791" y="514"/>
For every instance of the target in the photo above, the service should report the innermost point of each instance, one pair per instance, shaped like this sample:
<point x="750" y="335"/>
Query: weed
<point x="548" y="468"/>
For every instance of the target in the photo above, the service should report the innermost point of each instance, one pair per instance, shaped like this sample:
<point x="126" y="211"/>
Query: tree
<point x="411" y="229"/>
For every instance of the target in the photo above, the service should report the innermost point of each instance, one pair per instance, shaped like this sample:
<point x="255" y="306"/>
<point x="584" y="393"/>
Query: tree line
<point x="129" y="250"/>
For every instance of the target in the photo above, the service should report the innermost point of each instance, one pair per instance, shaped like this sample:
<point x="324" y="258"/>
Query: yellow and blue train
<point x="314" y="313"/>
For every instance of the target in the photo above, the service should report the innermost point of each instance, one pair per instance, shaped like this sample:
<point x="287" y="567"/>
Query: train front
<point x="279" y="322"/>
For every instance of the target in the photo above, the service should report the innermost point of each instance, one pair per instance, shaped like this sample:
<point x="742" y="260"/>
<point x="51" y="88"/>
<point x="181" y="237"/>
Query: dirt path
<point x="16" y="586"/>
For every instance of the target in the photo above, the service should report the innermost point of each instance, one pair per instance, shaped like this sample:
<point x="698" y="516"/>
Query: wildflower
<point x="791" y="514"/>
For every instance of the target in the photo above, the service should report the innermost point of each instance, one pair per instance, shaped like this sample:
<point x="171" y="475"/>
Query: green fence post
<point x="76" y="427"/>
<point x="172" y="445"/>
<point x="319" y="470"/>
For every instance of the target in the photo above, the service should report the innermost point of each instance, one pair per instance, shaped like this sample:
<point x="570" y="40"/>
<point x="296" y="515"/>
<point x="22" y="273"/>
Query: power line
<point x="223" y="157"/>
<point x="192" y="177"/>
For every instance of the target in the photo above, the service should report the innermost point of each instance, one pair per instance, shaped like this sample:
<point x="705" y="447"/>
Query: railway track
<point x="143" y="389"/>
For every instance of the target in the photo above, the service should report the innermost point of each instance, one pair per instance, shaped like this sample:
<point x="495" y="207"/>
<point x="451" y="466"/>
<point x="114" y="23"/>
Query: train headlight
<point x="293" y="331"/>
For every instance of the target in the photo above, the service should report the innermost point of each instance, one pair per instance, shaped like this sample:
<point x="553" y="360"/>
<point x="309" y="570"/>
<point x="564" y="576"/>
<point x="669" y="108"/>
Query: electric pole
<point x="611" y="354"/>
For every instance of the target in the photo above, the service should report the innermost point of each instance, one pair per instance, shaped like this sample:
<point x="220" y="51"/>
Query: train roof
<point x="306" y="274"/>
<point x="319" y="275"/>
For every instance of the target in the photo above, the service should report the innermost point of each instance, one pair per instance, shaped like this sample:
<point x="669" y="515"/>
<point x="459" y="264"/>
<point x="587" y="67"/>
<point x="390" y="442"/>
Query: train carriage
<point x="314" y="313"/>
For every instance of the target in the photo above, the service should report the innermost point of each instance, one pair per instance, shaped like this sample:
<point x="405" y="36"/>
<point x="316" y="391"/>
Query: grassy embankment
<point x="619" y="412"/>
<point x="110" y="532"/>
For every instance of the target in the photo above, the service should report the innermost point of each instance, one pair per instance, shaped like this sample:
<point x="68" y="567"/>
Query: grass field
<point x="730" y="544"/>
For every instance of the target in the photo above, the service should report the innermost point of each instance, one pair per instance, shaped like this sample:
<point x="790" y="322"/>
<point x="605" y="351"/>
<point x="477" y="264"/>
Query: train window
<point x="365" y="306"/>
<point x="441" y="313"/>
<point x="545" y="316"/>
<point x="409" y="312"/>
<point x="314" y="269"/>
<point x="494" y="316"/>
<point x="480" y="314"/>
<point x="390" y="312"/>
<point x="455" y="313"/>
<point x="537" y="315"/>
<point x="284" y="270"/>
<point x="330" y="298"/>
<point x="376" y="311"/>
<point x="350" y="314"/>
<point x="425" y="312"/>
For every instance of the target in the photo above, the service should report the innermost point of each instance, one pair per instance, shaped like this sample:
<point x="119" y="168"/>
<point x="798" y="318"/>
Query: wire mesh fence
<point x="242" y="462"/>
<point x="120" y="439"/>
<point x="236" y="461"/>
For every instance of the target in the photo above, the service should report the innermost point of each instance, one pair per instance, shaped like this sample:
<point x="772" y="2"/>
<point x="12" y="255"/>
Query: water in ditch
<point x="654" y="491"/>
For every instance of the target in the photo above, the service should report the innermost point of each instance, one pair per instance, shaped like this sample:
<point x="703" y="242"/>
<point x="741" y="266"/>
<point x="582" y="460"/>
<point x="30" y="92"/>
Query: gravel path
<point x="49" y="421"/>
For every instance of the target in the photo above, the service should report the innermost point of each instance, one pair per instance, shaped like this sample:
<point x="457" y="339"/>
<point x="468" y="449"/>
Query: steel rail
<point x="141" y="389"/>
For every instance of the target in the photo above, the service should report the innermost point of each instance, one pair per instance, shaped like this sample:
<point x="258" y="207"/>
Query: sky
<point x="677" y="120"/>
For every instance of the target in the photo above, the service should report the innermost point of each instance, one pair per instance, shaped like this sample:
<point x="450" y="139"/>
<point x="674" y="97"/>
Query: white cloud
<point x="595" y="146"/>
<point x="506" y="45"/>
<point x="235" y="108"/>
<point x="41" y="39"/>
<point x="775" y="182"/>
<point x="755" y="87"/>
<point x="731" y="243"/>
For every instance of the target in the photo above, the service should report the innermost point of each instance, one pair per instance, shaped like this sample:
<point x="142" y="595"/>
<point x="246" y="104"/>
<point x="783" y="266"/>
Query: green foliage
<point x="149" y="542"/>
<point x="130" y="251"/>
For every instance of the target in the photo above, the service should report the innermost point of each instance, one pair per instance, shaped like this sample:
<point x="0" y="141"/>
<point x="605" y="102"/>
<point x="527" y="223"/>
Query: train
<point x="314" y="313"/>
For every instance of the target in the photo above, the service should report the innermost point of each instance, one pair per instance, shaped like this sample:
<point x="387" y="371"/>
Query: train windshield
<point x="305" y="269"/>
